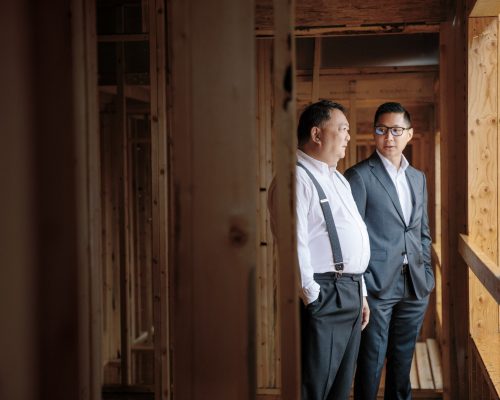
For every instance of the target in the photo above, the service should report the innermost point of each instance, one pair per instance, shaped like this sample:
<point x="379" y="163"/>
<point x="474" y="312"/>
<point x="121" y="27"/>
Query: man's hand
<point x="366" y="313"/>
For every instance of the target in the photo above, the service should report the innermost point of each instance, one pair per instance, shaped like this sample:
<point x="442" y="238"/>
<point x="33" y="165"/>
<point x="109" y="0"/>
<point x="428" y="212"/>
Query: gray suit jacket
<point x="390" y="237"/>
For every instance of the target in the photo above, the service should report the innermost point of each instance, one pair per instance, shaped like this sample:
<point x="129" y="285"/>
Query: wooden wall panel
<point x="483" y="162"/>
<point x="214" y="158"/>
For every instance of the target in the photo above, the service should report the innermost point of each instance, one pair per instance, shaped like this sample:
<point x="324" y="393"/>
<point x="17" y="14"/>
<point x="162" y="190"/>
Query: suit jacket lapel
<point x="382" y="175"/>
<point x="412" y="177"/>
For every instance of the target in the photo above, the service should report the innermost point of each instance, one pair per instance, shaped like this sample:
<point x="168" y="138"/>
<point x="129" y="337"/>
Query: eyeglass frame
<point x="390" y="129"/>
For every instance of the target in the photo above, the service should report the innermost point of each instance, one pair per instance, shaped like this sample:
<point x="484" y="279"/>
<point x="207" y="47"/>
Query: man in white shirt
<point x="334" y="307"/>
<point x="392" y="199"/>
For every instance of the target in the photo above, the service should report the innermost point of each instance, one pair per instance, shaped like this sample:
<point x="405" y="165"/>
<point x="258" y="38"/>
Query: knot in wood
<point x="237" y="236"/>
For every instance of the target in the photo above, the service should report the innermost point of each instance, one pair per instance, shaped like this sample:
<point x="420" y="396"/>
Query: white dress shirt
<point x="398" y="177"/>
<point x="313" y="244"/>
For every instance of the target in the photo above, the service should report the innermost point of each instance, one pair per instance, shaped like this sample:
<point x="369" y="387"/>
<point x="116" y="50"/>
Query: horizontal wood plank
<point x="483" y="267"/>
<point x="337" y="13"/>
<point x="423" y="367"/>
<point x="435" y="358"/>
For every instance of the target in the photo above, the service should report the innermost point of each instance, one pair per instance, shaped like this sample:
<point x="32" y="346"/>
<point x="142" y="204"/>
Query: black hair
<point x="315" y="114"/>
<point x="392" y="108"/>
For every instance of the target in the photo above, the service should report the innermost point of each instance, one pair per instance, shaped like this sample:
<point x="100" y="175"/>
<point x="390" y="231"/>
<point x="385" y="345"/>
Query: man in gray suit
<point x="392" y="199"/>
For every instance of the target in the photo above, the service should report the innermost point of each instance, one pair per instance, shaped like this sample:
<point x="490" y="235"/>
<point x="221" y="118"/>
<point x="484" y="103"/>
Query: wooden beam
<point x="136" y="92"/>
<point x="267" y="329"/>
<point x="487" y="271"/>
<point x="453" y="122"/>
<point x="345" y="13"/>
<point x="485" y="8"/>
<point x="123" y="37"/>
<point x="160" y="200"/>
<point x="88" y="196"/>
<point x="382" y="29"/>
<point x="284" y="155"/>
<point x="19" y="288"/>
<point x="353" y="125"/>
<point x="214" y="202"/>
<point x="123" y="208"/>
<point x="316" y="68"/>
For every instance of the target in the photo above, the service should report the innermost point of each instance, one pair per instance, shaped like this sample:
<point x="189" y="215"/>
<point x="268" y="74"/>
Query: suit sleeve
<point x="358" y="189"/>
<point x="425" y="235"/>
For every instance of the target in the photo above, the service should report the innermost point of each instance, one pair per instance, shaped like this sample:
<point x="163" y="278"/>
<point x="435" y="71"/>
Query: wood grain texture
<point x="160" y="196"/>
<point x="485" y="369"/>
<point x="483" y="113"/>
<point x="486" y="271"/>
<point x="331" y="13"/>
<point x="423" y="367"/>
<point x="214" y="161"/>
<point x="284" y="155"/>
<point x="267" y="312"/>
<point x="435" y="361"/>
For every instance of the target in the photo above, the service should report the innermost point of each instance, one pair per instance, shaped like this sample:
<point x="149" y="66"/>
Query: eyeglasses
<point x="395" y="130"/>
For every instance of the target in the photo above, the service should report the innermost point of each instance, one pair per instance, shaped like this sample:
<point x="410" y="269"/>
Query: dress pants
<point x="392" y="332"/>
<point x="331" y="332"/>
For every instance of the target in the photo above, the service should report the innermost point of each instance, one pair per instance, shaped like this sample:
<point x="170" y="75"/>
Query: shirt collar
<point x="318" y="165"/>
<point x="389" y="166"/>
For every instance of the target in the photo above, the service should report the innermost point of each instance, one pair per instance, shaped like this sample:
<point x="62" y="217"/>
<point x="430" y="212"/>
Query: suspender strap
<point x="330" y="224"/>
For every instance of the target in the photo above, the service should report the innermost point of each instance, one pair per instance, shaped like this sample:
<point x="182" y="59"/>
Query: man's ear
<point x="315" y="135"/>
<point x="410" y="134"/>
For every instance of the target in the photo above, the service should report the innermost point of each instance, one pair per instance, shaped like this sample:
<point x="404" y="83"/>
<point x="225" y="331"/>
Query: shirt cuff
<point x="310" y="292"/>
<point x="363" y="286"/>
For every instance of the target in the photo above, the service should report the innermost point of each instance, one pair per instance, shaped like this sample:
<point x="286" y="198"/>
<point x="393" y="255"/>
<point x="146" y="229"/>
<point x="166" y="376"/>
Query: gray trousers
<point x="392" y="332"/>
<point x="331" y="332"/>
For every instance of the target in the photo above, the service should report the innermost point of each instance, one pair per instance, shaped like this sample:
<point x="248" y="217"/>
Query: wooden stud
<point x="123" y="207"/>
<point x="316" y="69"/>
<point x="89" y="192"/>
<point x="213" y="200"/>
<point x="353" y="125"/>
<point x="160" y="197"/>
<point x="453" y="120"/>
<point x="284" y="155"/>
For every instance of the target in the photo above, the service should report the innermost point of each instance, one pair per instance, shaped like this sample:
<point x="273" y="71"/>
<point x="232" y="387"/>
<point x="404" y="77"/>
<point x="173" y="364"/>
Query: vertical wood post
<point x="284" y="154"/>
<point x="159" y="169"/>
<point x="88" y="197"/>
<point x="214" y="201"/>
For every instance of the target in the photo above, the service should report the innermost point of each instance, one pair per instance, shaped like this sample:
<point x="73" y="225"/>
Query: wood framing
<point x="454" y="274"/>
<point x="86" y="126"/>
<point x="160" y="199"/>
<point x="326" y="14"/>
<point x="284" y="155"/>
<point x="214" y="172"/>
<point x="267" y="329"/>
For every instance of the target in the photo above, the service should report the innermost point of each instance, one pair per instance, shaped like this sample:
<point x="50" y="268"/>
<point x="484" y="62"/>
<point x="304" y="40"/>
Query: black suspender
<point x="330" y="224"/>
